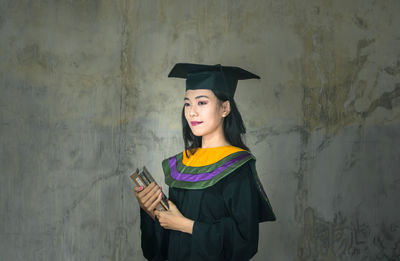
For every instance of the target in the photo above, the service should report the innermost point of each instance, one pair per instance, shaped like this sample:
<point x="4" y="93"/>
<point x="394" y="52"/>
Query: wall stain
<point x="393" y="70"/>
<point x="305" y="159"/>
<point x="32" y="56"/>
<point x="328" y="79"/>
<point x="126" y="80"/>
<point x="353" y="158"/>
<point x="1" y="20"/>
<point x="262" y="133"/>
<point x="361" y="23"/>
<point x="327" y="86"/>
<point x="384" y="101"/>
<point x="120" y="244"/>
<point x="332" y="85"/>
<point x="345" y="239"/>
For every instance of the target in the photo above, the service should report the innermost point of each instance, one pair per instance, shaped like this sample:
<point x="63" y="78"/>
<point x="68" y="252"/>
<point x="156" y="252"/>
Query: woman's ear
<point x="226" y="108"/>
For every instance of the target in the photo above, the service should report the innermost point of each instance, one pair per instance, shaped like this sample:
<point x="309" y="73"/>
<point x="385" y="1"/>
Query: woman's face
<point x="204" y="112"/>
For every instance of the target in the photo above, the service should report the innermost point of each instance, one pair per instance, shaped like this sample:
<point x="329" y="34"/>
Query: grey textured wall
<point x="85" y="99"/>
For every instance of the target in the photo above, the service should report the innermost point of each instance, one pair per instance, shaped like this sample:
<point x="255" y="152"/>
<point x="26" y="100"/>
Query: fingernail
<point x="140" y="188"/>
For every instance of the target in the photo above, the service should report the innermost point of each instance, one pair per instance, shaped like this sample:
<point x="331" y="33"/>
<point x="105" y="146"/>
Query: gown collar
<point x="208" y="156"/>
<point x="204" y="168"/>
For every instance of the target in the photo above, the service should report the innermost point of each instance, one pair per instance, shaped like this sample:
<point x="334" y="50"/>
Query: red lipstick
<point x="194" y="123"/>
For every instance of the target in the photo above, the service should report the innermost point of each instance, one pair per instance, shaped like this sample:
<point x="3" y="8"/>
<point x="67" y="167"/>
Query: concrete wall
<point x="85" y="99"/>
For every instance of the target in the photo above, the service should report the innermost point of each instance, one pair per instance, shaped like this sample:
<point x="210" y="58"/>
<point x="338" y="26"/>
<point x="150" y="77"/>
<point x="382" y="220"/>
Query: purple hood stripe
<point x="175" y="174"/>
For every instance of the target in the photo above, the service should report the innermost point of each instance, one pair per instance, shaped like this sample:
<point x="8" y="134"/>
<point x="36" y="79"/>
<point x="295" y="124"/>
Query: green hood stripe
<point x="201" y="184"/>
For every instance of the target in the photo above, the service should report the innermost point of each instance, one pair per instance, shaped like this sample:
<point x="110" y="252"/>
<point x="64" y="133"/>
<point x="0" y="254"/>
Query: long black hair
<point x="233" y="127"/>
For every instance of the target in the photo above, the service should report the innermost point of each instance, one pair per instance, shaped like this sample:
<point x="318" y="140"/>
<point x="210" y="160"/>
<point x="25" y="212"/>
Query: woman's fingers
<point x="148" y="197"/>
<point x="157" y="214"/>
<point x="172" y="206"/>
<point x="144" y="193"/>
<point x="148" y="189"/>
<point x="155" y="203"/>
<point x="152" y="198"/>
<point x="136" y="190"/>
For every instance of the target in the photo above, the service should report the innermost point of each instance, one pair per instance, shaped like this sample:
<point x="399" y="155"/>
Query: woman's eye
<point x="202" y="103"/>
<point x="186" y="104"/>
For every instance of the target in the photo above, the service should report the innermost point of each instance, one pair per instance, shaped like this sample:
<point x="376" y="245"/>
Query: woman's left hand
<point x="173" y="219"/>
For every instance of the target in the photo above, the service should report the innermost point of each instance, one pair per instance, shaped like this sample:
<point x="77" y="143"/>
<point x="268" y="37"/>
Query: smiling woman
<point x="205" y="114"/>
<point x="216" y="198"/>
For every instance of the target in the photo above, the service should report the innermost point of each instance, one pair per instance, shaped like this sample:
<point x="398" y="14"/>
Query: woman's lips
<point x="194" y="123"/>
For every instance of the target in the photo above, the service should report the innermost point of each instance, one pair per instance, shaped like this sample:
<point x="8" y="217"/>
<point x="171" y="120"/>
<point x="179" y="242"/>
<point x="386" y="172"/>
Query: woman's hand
<point x="173" y="219"/>
<point x="148" y="198"/>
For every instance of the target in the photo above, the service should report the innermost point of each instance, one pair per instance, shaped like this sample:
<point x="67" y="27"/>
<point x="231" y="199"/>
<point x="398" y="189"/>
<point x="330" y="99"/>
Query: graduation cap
<point x="211" y="77"/>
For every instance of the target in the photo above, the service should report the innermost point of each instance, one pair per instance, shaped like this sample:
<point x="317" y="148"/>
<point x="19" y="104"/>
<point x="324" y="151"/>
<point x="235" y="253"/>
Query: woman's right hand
<point x="148" y="198"/>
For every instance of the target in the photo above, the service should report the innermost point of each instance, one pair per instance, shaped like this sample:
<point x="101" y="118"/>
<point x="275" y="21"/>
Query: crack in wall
<point x="393" y="70"/>
<point x="84" y="194"/>
<point x="384" y="101"/>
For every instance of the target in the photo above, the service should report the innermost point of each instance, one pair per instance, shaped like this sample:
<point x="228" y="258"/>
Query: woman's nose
<point x="193" y="111"/>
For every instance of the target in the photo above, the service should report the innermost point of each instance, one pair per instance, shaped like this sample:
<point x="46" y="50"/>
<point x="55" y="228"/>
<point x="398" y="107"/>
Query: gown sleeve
<point x="154" y="238"/>
<point x="234" y="237"/>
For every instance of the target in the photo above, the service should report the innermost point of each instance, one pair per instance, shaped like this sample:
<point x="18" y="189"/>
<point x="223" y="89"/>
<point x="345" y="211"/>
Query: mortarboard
<point x="212" y="77"/>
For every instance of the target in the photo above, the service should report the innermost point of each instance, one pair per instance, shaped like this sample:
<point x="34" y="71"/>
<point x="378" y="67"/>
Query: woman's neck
<point x="213" y="141"/>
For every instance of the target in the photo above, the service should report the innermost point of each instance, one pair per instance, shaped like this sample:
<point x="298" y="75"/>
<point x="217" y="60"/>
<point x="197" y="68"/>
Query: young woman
<point x="216" y="200"/>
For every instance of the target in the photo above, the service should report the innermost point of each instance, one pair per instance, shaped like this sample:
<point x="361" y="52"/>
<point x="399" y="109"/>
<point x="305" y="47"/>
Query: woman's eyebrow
<point x="201" y="96"/>
<point x="197" y="97"/>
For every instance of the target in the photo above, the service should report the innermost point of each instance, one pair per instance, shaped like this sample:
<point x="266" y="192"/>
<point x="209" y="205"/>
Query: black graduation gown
<point x="226" y="218"/>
